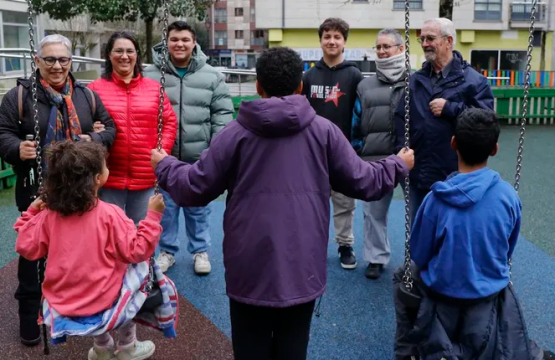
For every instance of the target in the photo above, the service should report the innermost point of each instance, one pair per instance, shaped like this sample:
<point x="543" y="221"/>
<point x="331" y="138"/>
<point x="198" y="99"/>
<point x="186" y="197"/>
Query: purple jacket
<point x="278" y="161"/>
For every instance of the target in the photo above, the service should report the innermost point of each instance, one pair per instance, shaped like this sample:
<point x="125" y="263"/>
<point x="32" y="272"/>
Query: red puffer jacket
<point x="134" y="109"/>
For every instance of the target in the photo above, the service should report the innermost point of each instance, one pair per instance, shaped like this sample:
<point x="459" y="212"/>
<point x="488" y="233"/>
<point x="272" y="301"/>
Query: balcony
<point x="520" y="15"/>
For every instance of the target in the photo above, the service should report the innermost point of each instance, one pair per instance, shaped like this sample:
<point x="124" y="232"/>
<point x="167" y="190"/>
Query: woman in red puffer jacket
<point x="132" y="101"/>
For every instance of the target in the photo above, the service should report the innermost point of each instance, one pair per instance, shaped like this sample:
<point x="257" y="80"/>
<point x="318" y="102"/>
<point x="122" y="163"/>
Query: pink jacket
<point x="87" y="255"/>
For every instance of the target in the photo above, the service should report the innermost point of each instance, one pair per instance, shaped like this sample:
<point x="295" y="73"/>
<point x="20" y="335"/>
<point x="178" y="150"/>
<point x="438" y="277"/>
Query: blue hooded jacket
<point x="465" y="232"/>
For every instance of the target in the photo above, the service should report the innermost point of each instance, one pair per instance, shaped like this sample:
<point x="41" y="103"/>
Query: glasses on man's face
<point x="429" y="38"/>
<point x="51" y="60"/>
<point x="385" y="47"/>
<point x="120" y="52"/>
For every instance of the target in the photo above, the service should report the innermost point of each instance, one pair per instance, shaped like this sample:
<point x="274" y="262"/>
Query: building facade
<point x="491" y="34"/>
<point x="235" y="40"/>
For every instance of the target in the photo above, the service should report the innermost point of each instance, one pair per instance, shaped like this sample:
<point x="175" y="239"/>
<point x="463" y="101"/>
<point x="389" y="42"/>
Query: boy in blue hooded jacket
<point x="463" y="236"/>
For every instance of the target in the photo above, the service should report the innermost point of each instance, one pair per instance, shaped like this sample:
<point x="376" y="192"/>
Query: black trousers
<point x="29" y="294"/>
<point x="265" y="333"/>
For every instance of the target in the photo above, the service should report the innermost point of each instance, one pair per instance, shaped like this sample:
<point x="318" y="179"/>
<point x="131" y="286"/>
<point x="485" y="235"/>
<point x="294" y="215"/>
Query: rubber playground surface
<point x="357" y="318"/>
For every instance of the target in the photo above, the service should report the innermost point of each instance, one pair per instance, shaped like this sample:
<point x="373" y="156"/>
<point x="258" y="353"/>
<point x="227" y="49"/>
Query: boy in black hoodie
<point x="330" y="87"/>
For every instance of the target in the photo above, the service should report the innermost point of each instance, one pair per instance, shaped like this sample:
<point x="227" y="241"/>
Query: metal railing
<point x="520" y="11"/>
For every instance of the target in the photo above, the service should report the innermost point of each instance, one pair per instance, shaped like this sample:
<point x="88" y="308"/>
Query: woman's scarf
<point x="57" y="129"/>
<point x="392" y="68"/>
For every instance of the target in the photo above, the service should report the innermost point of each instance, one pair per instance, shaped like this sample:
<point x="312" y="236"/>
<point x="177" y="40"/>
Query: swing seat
<point x="410" y="298"/>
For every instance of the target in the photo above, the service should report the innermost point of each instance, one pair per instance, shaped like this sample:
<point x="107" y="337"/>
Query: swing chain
<point x="525" y="95"/>
<point x="407" y="277"/>
<point x="33" y="79"/>
<point x="163" y="67"/>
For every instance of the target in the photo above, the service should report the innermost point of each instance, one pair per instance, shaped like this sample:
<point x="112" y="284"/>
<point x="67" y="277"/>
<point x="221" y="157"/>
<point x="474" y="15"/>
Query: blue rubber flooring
<point x="357" y="319"/>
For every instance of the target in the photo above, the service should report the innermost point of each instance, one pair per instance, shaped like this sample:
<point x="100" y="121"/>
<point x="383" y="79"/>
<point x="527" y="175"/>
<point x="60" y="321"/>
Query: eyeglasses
<point x="429" y="38"/>
<point x="385" y="47"/>
<point x="120" y="52"/>
<point x="51" y="61"/>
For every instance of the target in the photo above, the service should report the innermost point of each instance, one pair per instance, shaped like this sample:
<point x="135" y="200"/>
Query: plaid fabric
<point x="124" y="310"/>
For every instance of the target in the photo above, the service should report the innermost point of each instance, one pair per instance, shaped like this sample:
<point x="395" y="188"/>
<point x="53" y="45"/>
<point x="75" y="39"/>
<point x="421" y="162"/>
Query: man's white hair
<point x="446" y="26"/>
<point x="54" y="39"/>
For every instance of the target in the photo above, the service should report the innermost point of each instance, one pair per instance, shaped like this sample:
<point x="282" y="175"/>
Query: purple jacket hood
<point x="276" y="117"/>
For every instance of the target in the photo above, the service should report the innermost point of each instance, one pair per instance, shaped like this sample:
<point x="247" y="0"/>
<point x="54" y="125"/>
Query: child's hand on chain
<point x="38" y="204"/>
<point x="156" y="203"/>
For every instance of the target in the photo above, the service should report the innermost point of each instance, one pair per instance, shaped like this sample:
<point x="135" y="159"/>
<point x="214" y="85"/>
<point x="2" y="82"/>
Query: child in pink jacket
<point x="89" y="243"/>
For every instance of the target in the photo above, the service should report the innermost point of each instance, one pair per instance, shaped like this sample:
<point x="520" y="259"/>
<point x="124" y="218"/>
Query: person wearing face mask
<point x="66" y="110"/>
<point x="373" y="137"/>
<point x="202" y="103"/>
<point x="440" y="91"/>
<point x="330" y="87"/>
<point x="133" y="101"/>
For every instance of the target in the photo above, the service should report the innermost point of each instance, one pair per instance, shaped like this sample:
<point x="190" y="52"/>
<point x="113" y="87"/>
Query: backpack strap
<point x="93" y="101"/>
<point x="20" y="101"/>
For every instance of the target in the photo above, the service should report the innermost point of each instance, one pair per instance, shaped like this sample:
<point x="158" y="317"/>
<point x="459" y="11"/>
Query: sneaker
<point x="165" y="261"/>
<point x="29" y="330"/>
<point x="373" y="271"/>
<point x="548" y="355"/>
<point x="202" y="264"/>
<point x="97" y="353"/>
<point x="347" y="257"/>
<point x="139" y="350"/>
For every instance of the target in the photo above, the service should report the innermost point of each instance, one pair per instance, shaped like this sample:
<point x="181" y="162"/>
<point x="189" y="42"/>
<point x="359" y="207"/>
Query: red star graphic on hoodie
<point x="334" y="95"/>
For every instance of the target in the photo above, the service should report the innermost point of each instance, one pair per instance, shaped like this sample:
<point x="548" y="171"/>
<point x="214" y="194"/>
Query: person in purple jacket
<point x="278" y="161"/>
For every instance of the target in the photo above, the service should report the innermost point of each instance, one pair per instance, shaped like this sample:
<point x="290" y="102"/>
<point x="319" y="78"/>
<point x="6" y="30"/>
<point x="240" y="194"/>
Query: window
<point x="238" y="34"/>
<point x="487" y="10"/>
<point x="498" y="60"/>
<point x="413" y="4"/>
<point x="253" y="16"/>
<point x="238" y="11"/>
<point x="220" y="15"/>
<point x="15" y="35"/>
<point x="257" y="37"/>
<point x="220" y="38"/>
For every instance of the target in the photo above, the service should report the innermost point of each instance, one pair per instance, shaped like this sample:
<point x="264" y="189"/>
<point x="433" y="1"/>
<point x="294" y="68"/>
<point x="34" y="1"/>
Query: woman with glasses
<point x="373" y="137"/>
<point x="66" y="110"/>
<point x="132" y="100"/>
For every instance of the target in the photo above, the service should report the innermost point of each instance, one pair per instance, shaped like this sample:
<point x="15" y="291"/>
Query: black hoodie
<point x="332" y="92"/>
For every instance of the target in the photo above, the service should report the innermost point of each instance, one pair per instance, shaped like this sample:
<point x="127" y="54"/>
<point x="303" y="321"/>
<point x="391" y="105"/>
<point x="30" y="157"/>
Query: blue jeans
<point x="196" y="226"/>
<point x="134" y="203"/>
<point x="416" y="197"/>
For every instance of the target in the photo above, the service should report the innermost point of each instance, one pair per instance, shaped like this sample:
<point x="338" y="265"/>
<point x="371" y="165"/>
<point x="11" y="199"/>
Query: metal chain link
<point x="163" y="66"/>
<point x="524" y="106"/>
<point x="33" y="79"/>
<point x="407" y="277"/>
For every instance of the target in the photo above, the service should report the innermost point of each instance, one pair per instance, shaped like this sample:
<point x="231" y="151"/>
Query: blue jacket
<point x="464" y="233"/>
<point x="430" y="136"/>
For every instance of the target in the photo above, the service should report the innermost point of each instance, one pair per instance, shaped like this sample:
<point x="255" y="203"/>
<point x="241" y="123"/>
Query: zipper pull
<point x="25" y="182"/>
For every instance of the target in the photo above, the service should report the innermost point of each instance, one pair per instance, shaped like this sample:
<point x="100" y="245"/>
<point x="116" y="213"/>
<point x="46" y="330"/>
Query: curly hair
<point x="279" y="71"/>
<point x="69" y="184"/>
<point x="476" y="133"/>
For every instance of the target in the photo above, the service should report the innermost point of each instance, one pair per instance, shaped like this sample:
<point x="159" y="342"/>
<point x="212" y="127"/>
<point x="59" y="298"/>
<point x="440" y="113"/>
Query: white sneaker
<point x="202" y="264"/>
<point x="139" y="350"/>
<point x="165" y="261"/>
<point x="96" y="353"/>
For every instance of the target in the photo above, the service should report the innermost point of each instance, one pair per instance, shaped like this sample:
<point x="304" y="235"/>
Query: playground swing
<point x="154" y="298"/>
<point x="406" y="292"/>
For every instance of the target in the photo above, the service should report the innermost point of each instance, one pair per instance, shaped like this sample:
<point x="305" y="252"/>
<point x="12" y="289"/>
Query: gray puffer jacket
<point x="373" y="134"/>
<point x="200" y="100"/>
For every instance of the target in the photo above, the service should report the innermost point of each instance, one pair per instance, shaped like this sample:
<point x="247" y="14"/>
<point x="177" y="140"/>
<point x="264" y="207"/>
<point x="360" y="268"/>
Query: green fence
<point x="7" y="176"/>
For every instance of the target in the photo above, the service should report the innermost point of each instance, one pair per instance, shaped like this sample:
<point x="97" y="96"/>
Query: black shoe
<point x="29" y="331"/>
<point x="373" y="271"/>
<point x="548" y="355"/>
<point x="347" y="257"/>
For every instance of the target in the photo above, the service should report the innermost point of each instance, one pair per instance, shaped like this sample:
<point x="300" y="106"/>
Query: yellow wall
<point x="483" y="40"/>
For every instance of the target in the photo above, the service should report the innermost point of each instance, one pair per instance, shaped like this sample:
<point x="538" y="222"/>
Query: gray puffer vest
<point x="379" y="98"/>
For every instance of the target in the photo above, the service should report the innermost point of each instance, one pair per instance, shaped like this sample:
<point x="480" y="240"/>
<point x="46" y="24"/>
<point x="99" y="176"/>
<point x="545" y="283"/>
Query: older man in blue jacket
<point x="444" y="87"/>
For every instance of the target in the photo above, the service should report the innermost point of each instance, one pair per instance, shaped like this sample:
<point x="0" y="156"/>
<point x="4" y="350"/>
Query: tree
<point x="117" y="10"/>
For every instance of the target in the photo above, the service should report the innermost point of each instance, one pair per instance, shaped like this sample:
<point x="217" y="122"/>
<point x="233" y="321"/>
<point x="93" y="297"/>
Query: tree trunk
<point x="148" y="50"/>
<point x="542" y="52"/>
